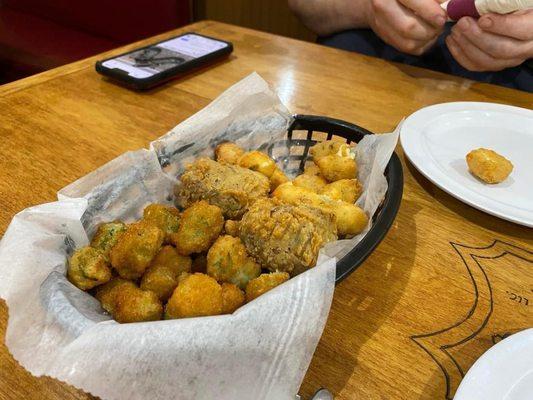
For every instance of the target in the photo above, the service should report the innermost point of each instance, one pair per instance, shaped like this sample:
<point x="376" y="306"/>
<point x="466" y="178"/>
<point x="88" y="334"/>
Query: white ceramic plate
<point x="436" y="140"/>
<point x="504" y="372"/>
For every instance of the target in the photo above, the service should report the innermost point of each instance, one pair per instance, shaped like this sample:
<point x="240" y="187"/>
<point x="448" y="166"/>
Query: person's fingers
<point x="458" y="54"/>
<point x="429" y="10"/>
<point x="517" y="25"/>
<point x="496" y="45"/>
<point x="403" y="21"/>
<point x="481" y="61"/>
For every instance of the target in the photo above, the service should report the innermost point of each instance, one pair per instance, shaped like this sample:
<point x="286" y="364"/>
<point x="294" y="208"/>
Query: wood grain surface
<point x="447" y="282"/>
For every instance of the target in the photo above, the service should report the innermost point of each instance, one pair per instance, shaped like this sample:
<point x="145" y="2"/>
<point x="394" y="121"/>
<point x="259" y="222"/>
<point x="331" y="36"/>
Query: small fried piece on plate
<point x="228" y="153"/>
<point x="135" y="249"/>
<point x="228" y="261"/>
<point x="315" y="183"/>
<point x="107" y="236"/>
<point x="259" y="162"/>
<point x="163" y="274"/>
<point x="232" y="298"/>
<point x="265" y="282"/>
<point x="166" y="218"/>
<point x="200" y="225"/>
<point x="488" y="165"/>
<point x="197" y="295"/>
<point x="348" y="190"/>
<point x="88" y="267"/>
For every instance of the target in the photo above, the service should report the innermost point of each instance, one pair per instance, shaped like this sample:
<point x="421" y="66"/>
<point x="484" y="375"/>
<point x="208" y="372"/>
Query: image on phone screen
<point x="162" y="56"/>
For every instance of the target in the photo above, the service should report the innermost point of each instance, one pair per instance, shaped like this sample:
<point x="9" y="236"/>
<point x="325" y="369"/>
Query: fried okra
<point x="136" y="305"/>
<point x="106" y="294"/>
<point x="135" y="249"/>
<point x="259" y="162"/>
<point x="347" y="190"/>
<point x="228" y="153"/>
<point x="162" y="275"/>
<point x="334" y="167"/>
<point x="231" y="227"/>
<point x="315" y="183"/>
<point x="200" y="225"/>
<point x="88" y="267"/>
<point x="107" y="236"/>
<point x="265" y="282"/>
<point x="277" y="178"/>
<point x="228" y="261"/>
<point x="164" y="217"/>
<point x="311" y="169"/>
<point x="232" y="298"/>
<point x="197" y="295"/>
<point x="488" y="165"/>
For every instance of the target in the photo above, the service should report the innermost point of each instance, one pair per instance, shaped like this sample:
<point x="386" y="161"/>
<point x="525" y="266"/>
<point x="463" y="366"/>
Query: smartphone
<point x="152" y="65"/>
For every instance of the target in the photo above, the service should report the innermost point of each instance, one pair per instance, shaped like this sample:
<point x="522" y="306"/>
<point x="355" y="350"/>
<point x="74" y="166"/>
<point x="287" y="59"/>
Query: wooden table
<point x="447" y="282"/>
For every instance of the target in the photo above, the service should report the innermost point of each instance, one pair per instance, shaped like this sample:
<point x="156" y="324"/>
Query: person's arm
<point x="411" y="26"/>
<point x="494" y="42"/>
<point x="325" y="17"/>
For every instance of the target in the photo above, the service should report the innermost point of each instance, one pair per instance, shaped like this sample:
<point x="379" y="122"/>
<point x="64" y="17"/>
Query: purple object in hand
<point x="462" y="8"/>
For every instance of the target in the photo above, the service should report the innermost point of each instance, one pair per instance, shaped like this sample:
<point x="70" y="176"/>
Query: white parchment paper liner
<point x="260" y="352"/>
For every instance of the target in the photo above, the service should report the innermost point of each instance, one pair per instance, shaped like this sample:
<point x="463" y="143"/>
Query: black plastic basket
<point x="316" y="129"/>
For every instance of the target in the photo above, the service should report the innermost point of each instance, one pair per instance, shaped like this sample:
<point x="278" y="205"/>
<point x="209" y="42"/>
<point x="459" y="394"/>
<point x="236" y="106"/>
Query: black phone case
<point x="164" y="76"/>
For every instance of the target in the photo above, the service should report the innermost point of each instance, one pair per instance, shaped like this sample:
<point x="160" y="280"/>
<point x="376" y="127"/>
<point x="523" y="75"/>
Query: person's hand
<point x="411" y="26"/>
<point x="494" y="42"/>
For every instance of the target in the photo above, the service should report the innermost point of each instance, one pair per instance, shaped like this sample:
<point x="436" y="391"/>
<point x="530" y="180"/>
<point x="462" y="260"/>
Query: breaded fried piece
<point x="162" y="275"/>
<point x="231" y="227"/>
<point x="265" y="282"/>
<point x="136" y="305"/>
<point x="314" y="183"/>
<point x="334" y="167"/>
<point x="311" y="169"/>
<point x="106" y="294"/>
<point x="348" y="190"/>
<point x="228" y="261"/>
<point x="232" y="298"/>
<point x="197" y="295"/>
<point x="88" y="267"/>
<point x="164" y="217"/>
<point x="329" y="147"/>
<point x="488" y="165"/>
<point x="284" y="237"/>
<point x="230" y="187"/>
<point x="349" y="218"/>
<point x="135" y="249"/>
<point x="107" y="236"/>
<point x="200" y="225"/>
<point x="228" y="153"/>
<point x="277" y="178"/>
<point x="258" y="161"/>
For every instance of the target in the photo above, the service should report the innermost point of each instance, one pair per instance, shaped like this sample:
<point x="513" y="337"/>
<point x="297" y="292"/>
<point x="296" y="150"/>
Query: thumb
<point x="517" y="25"/>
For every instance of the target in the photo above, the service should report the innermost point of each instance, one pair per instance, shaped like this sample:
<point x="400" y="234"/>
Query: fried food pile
<point x="243" y="229"/>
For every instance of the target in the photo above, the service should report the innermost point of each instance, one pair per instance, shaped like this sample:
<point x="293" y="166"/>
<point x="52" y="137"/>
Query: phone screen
<point x="152" y="60"/>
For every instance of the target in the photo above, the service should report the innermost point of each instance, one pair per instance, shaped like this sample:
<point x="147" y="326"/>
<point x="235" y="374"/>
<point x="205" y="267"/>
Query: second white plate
<point x="436" y="140"/>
